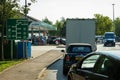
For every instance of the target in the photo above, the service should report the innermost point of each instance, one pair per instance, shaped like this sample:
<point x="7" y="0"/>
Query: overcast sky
<point x="55" y="9"/>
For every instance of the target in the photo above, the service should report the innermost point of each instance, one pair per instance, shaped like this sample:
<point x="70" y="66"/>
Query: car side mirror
<point x="74" y="65"/>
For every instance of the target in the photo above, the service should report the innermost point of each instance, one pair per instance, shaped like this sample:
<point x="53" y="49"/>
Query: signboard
<point x="17" y="29"/>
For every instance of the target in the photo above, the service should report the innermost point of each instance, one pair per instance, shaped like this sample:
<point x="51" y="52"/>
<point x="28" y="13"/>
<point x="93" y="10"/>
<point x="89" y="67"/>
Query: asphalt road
<point x="54" y="71"/>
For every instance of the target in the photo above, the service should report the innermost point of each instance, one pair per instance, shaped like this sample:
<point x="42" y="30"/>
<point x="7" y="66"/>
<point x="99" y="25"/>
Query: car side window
<point x="89" y="62"/>
<point x="105" y="67"/>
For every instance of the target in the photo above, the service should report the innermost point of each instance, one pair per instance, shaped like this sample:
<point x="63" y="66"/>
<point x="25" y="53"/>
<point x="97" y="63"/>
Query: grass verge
<point x="6" y="64"/>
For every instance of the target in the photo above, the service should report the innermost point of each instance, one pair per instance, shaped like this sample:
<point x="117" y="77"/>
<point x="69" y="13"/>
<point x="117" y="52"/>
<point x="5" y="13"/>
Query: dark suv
<point x="103" y="65"/>
<point x="75" y="52"/>
<point x="109" y="39"/>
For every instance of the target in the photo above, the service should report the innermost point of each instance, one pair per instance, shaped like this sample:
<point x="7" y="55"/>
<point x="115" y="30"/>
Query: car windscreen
<point x="109" y="36"/>
<point x="79" y="49"/>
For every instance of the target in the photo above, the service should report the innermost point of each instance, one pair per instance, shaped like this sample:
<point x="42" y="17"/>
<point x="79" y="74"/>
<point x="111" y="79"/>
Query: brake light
<point x="67" y="58"/>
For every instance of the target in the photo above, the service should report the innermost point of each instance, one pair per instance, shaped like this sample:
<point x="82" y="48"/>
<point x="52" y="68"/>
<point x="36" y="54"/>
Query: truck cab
<point x="109" y="39"/>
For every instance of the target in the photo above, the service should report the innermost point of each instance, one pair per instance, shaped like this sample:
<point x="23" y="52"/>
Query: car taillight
<point x="67" y="58"/>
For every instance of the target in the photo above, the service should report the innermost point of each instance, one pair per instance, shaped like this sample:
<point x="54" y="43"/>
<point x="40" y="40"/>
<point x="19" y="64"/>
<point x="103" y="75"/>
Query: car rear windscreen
<point x="79" y="49"/>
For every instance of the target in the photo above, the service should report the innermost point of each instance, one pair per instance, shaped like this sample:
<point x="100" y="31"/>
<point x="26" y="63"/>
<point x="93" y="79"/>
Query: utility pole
<point x="3" y="26"/>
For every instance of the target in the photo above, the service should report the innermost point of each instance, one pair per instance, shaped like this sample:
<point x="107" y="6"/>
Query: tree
<point x="103" y="24"/>
<point x="46" y="20"/>
<point x="117" y="26"/>
<point x="51" y="32"/>
<point x="61" y="27"/>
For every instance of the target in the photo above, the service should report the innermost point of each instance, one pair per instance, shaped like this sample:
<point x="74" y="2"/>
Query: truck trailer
<point x="81" y="31"/>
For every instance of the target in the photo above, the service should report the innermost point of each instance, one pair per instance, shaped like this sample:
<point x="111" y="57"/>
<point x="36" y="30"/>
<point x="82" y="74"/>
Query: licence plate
<point x="78" y="58"/>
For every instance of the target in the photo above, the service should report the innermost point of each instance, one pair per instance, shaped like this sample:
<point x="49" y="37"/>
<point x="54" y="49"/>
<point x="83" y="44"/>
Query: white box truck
<point x="80" y="31"/>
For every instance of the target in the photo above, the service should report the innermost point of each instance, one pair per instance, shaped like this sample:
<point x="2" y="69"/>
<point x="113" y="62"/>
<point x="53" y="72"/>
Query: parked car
<point x="59" y="41"/>
<point x="103" y="65"/>
<point x="56" y="40"/>
<point x="99" y="39"/>
<point x="117" y="39"/>
<point x="75" y="52"/>
<point x="50" y="39"/>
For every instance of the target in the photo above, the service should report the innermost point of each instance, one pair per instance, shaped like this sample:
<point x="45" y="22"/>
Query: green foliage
<point x="117" y="26"/>
<point x="103" y="24"/>
<point x="61" y="27"/>
<point x="46" y="20"/>
<point x="6" y="64"/>
<point x="10" y="9"/>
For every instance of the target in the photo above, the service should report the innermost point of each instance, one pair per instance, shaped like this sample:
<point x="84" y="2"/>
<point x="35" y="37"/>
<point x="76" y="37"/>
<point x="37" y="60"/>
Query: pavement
<point x="31" y="69"/>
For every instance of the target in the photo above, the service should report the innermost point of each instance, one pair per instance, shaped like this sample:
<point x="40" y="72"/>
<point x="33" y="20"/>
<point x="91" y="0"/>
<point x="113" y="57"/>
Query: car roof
<point x="109" y="32"/>
<point x="113" y="54"/>
<point x="86" y="44"/>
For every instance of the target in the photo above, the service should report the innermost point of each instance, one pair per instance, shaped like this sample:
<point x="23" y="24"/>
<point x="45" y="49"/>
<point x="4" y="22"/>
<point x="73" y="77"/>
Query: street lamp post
<point x="113" y="12"/>
<point x="113" y="16"/>
<point x="25" y="8"/>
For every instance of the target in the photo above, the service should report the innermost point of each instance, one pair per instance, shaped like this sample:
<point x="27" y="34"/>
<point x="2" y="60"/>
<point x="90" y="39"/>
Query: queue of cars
<point x="82" y="63"/>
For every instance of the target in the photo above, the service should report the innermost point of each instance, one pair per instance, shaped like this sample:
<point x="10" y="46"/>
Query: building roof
<point x="36" y="24"/>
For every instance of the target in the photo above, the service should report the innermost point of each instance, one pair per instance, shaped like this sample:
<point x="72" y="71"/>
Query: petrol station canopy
<point x="38" y="25"/>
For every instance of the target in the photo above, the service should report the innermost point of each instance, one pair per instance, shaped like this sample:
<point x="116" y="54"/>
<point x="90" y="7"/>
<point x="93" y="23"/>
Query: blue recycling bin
<point x="24" y="51"/>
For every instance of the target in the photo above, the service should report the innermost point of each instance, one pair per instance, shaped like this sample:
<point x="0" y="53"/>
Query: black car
<point x="103" y="65"/>
<point x="59" y="41"/>
<point x="75" y="52"/>
<point x="56" y="40"/>
<point x="50" y="39"/>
